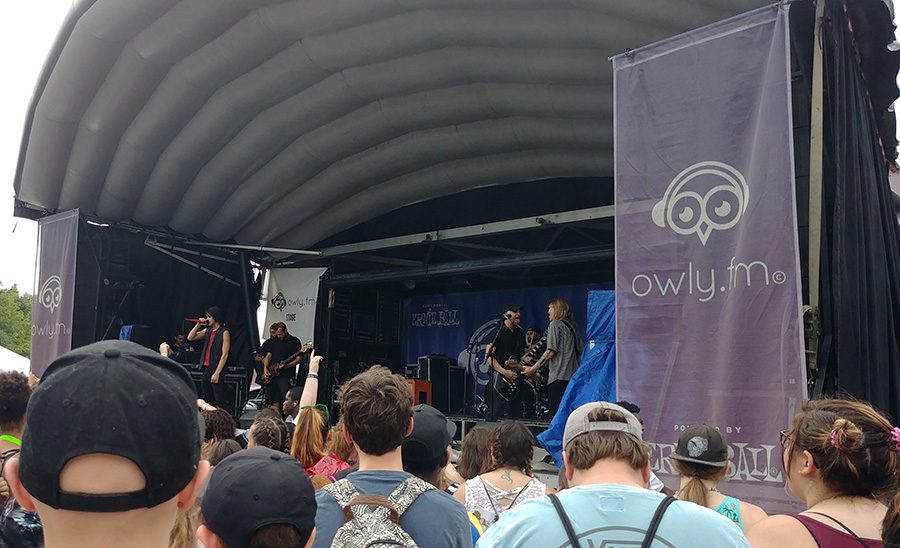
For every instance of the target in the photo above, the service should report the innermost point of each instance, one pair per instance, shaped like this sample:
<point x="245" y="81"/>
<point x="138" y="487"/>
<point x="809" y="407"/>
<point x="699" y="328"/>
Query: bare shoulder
<point x="752" y="514"/>
<point x="460" y="494"/>
<point x="779" y="531"/>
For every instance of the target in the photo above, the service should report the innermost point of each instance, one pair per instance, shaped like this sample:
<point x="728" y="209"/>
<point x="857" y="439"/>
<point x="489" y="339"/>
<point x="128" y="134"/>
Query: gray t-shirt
<point x="565" y="362"/>
<point x="434" y="519"/>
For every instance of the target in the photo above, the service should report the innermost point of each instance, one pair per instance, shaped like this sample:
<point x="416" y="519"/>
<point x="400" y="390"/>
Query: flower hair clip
<point x="895" y="437"/>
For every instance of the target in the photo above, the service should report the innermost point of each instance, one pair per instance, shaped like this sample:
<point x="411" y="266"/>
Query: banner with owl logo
<point x="708" y="298"/>
<point x="291" y="298"/>
<point x="54" y="289"/>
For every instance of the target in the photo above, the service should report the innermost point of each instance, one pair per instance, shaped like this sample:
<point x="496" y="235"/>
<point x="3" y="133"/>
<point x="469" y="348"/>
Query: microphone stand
<point x="487" y="358"/>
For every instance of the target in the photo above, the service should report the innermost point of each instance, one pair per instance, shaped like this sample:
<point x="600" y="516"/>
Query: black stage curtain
<point x="860" y="291"/>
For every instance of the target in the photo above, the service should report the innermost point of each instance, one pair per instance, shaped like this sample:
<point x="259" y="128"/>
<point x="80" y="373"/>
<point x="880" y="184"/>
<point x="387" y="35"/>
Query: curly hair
<point x="219" y="425"/>
<point x="512" y="444"/>
<point x="14" y="395"/>
<point x="267" y="433"/>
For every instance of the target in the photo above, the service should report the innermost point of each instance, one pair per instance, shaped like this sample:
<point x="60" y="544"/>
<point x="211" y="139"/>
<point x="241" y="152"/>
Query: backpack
<point x="373" y="521"/>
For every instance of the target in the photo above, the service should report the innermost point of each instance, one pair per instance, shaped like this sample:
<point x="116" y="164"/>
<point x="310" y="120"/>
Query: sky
<point x="26" y="34"/>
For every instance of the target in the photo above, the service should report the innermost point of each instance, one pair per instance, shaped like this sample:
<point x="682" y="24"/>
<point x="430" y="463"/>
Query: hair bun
<point x="845" y="436"/>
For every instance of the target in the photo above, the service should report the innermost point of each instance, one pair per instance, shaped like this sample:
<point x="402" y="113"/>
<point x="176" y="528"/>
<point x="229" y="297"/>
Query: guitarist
<point x="563" y="352"/>
<point x="274" y="351"/>
<point x="509" y="343"/>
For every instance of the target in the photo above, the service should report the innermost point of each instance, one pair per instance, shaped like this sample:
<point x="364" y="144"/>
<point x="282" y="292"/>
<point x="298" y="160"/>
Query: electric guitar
<point x="274" y="368"/>
<point x="506" y="387"/>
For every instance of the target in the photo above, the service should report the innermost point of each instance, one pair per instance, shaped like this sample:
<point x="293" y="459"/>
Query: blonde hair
<point x="308" y="446"/>
<point x="561" y="310"/>
<point x="339" y="445"/>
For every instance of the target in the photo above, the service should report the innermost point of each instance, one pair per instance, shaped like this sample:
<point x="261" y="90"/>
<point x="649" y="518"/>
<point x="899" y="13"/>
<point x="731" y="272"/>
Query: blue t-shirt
<point x="611" y="515"/>
<point x="435" y="519"/>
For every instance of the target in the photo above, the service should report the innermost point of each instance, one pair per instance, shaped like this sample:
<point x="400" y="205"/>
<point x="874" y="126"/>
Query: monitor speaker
<point x="436" y="368"/>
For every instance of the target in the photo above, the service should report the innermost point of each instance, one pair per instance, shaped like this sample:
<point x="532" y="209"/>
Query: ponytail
<point x="890" y="531"/>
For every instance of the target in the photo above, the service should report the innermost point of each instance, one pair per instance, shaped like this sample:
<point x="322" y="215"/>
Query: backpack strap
<point x="407" y="492"/>
<point x="654" y="523"/>
<point x="371" y="500"/>
<point x="342" y="491"/>
<point x="564" y="518"/>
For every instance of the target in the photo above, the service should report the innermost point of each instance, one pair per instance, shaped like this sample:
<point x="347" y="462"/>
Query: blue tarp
<point x="595" y="379"/>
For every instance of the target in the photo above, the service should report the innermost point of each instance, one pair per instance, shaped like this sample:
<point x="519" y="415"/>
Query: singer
<point x="509" y="342"/>
<point x="214" y="356"/>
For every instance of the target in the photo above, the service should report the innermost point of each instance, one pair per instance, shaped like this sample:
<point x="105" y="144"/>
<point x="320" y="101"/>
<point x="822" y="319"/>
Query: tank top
<point x="731" y="509"/>
<point x="485" y="500"/>
<point x="832" y="537"/>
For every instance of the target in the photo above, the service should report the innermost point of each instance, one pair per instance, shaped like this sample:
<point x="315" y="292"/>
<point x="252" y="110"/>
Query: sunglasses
<point x="784" y="438"/>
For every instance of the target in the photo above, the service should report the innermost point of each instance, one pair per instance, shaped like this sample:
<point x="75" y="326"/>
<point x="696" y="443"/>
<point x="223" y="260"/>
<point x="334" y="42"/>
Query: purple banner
<point x="707" y="272"/>
<point x="54" y="292"/>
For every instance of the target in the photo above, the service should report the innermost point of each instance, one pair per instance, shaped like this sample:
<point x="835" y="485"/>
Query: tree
<point x="15" y="320"/>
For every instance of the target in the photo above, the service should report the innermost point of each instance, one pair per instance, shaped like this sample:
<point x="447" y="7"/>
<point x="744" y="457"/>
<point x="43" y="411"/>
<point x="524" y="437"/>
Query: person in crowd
<point x="267" y="432"/>
<point x="655" y="484"/>
<point x="509" y="482"/>
<point x="110" y="470"/>
<point x="291" y="405"/>
<point x="508" y="343"/>
<point x="701" y="459"/>
<point x="184" y="533"/>
<point x="475" y="453"/>
<point x="607" y="465"/>
<point x="279" y="352"/>
<point x="842" y="458"/>
<point x="18" y="526"/>
<point x="377" y="411"/>
<point x="219" y="426"/>
<point x="222" y="449"/>
<point x="427" y="450"/>
<point x="532" y="335"/>
<point x="339" y="446"/>
<point x="563" y="352"/>
<point x="261" y="498"/>
<point x="214" y="354"/>
<point x="310" y="435"/>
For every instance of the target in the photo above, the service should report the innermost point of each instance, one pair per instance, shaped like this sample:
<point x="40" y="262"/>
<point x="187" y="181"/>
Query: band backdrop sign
<point x="707" y="272"/>
<point x="54" y="294"/>
<point x="291" y="298"/>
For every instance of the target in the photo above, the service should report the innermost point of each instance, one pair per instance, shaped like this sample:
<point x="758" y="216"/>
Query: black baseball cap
<point x="117" y="398"/>
<point x="431" y="434"/>
<point x="254" y="488"/>
<point x="701" y="444"/>
<point x="512" y="308"/>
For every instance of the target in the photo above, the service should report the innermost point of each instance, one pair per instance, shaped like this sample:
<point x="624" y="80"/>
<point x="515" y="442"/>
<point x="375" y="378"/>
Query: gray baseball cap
<point x="578" y="422"/>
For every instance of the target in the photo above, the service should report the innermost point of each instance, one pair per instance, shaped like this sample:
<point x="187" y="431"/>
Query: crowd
<point x="113" y="448"/>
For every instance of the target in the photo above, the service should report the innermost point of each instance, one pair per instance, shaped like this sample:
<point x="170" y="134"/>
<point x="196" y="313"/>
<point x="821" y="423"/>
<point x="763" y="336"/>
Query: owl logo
<point x="706" y="196"/>
<point x="50" y="294"/>
<point x="278" y="301"/>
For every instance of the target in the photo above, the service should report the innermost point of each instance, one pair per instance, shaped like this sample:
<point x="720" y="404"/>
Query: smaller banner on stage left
<point x="291" y="298"/>
<point x="54" y="291"/>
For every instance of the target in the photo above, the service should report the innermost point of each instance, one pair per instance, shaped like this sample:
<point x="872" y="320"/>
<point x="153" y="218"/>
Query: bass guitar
<point x="274" y="368"/>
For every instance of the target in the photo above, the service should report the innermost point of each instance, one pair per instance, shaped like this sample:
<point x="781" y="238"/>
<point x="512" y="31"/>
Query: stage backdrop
<point x="291" y="298"/>
<point x="54" y="290"/>
<point x="461" y="325"/>
<point x="707" y="273"/>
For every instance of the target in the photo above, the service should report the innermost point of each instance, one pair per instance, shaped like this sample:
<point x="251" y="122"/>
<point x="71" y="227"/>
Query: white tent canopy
<point x="10" y="361"/>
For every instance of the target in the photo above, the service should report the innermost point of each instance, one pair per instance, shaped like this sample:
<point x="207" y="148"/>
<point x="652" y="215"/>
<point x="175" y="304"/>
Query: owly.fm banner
<point x="291" y="298"/>
<point x="707" y="271"/>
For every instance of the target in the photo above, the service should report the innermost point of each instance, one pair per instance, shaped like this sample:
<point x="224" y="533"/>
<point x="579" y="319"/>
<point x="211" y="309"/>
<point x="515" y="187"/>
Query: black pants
<point x="555" y="391"/>
<point x="277" y="388"/>
<point x="215" y="394"/>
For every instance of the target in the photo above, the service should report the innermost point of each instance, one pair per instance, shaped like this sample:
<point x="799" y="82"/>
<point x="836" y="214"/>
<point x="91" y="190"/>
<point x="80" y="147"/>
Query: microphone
<point x="195" y="320"/>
